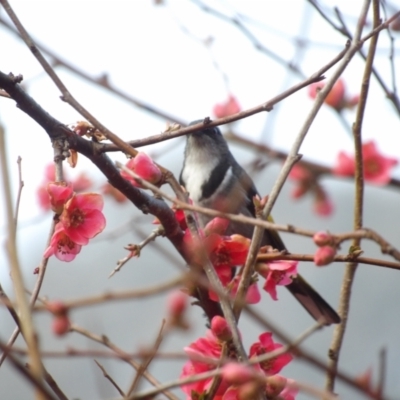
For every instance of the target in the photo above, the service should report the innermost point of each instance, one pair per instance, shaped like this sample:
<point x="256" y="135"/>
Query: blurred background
<point x="182" y="58"/>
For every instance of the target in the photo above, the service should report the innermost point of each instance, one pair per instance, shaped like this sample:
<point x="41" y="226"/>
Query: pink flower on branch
<point x="82" y="218"/>
<point x="229" y="107"/>
<point x="145" y="167"/>
<point x="59" y="193"/>
<point x="377" y="167"/>
<point x="337" y="98"/>
<point x="209" y="347"/>
<point x="267" y="345"/>
<point x="277" y="273"/>
<point x="62" y="246"/>
<point x="227" y="250"/>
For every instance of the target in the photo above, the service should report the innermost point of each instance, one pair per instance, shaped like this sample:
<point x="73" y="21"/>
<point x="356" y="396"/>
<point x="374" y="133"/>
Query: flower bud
<point x="60" y="325"/>
<point x="220" y="329"/>
<point x="324" y="255"/>
<point x="275" y="385"/>
<point x="237" y="374"/>
<point x="177" y="303"/>
<point x="322" y="239"/>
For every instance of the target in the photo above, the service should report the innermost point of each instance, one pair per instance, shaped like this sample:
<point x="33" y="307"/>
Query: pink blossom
<point x="324" y="255"/>
<point x="231" y="106"/>
<point x="377" y="167"/>
<point x="59" y="193"/>
<point x="337" y="98"/>
<point x="43" y="197"/>
<point x="50" y="172"/>
<point x="217" y="225"/>
<point x="267" y="345"/>
<point x="227" y="250"/>
<point x="42" y="193"/>
<point x="300" y="173"/>
<point x="290" y="391"/>
<point x="82" y="182"/>
<point x="62" y="246"/>
<point x="253" y="295"/>
<point x="145" y="167"/>
<point x="225" y="274"/>
<point x="82" y="218"/>
<point x="210" y="347"/>
<point x="323" y="206"/>
<point x="277" y="273"/>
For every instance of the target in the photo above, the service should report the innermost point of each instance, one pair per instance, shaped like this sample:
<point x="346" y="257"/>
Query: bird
<point x="214" y="179"/>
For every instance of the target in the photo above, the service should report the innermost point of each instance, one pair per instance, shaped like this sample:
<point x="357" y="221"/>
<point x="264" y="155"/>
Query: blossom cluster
<point x="80" y="218"/>
<point x="236" y="379"/>
<point x="227" y="253"/>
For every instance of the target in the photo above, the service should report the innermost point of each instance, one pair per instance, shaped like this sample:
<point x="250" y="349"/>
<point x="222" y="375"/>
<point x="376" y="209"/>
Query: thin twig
<point x="382" y="371"/>
<point x="25" y="316"/>
<point x="365" y="233"/>
<point x="28" y="374"/>
<point x="149" y="358"/>
<point x="137" y="249"/>
<point x="20" y="187"/>
<point x="104" y="340"/>
<point x="116" y="296"/>
<point x="107" y="376"/>
<point x="102" y="81"/>
<point x="391" y="95"/>
<point x="348" y="278"/>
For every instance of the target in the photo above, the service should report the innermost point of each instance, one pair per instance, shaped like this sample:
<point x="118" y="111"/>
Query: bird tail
<point x="317" y="307"/>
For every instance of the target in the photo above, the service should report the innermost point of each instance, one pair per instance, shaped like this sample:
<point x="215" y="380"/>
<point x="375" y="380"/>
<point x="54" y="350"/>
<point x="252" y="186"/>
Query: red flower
<point x="145" y="167"/>
<point x="42" y="191"/>
<point x="227" y="250"/>
<point x="253" y="295"/>
<point x="322" y="204"/>
<point x="210" y="347"/>
<point x="377" y="167"/>
<point x="216" y="225"/>
<point x="43" y="197"/>
<point x="225" y="274"/>
<point x="290" y="391"/>
<point x="82" y="218"/>
<point x="231" y="106"/>
<point x="59" y="193"/>
<point x="82" y="182"/>
<point x="62" y="246"/>
<point x="266" y="345"/>
<point x="337" y="98"/>
<point x="277" y="273"/>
